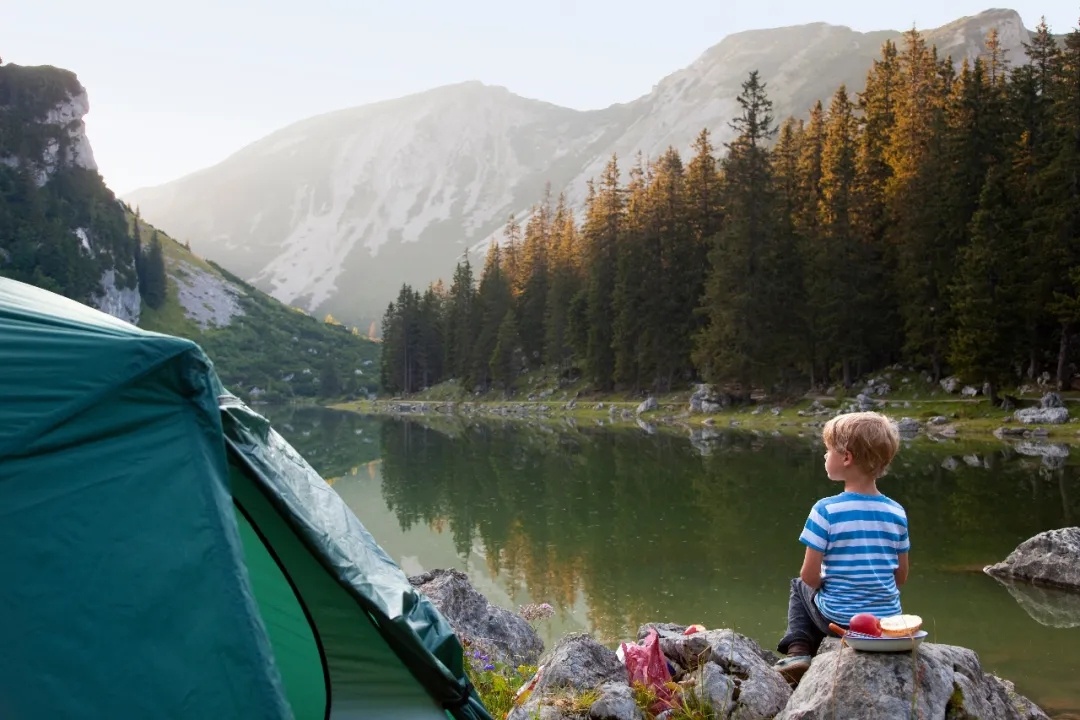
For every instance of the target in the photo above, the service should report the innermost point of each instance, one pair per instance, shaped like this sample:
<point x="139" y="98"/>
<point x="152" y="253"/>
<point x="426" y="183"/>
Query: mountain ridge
<point x="394" y="191"/>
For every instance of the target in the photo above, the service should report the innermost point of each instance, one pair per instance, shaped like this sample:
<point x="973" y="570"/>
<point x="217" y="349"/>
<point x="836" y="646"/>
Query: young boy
<point x="856" y="542"/>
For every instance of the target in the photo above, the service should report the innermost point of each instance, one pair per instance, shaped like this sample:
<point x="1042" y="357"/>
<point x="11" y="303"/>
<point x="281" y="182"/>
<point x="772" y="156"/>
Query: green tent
<point x="164" y="553"/>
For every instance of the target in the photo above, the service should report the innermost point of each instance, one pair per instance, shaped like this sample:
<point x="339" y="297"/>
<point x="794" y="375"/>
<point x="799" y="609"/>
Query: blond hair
<point x="870" y="437"/>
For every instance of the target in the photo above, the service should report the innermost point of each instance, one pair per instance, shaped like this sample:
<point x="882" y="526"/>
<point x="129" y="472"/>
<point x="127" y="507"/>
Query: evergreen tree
<point x="461" y="321"/>
<point x="604" y="217"/>
<point x="153" y="281"/>
<point x="746" y="297"/>
<point x="564" y="284"/>
<point x="631" y="298"/>
<point x="985" y="294"/>
<point x="532" y="302"/>
<point x="840" y="305"/>
<point x="506" y="356"/>
<point x="493" y="301"/>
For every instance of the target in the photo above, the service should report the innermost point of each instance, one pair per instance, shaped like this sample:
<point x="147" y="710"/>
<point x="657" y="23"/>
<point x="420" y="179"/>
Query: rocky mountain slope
<point x="62" y="229"/>
<point x="335" y="212"/>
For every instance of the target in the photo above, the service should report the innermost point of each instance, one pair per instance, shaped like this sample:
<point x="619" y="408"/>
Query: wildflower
<point x="489" y="666"/>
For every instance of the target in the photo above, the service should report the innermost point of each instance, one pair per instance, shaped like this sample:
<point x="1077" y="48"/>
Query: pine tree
<point x="532" y="302"/>
<point x="985" y="293"/>
<point x="461" y="321"/>
<point x="153" y="280"/>
<point x="564" y="285"/>
<point x="675" y="276"/>
<point x="630" y="298"/>
<point x="746" y="297"/>
<point x="878" y="107"/>
<point x="506" y="356"/>
<point x="840" y="306"/>
<point x="493" y="301"/>
<point x="604" y="217"/>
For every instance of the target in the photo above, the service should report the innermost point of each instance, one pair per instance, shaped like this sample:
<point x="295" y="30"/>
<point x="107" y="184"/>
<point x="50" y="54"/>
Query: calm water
<point x="617" y="528"/>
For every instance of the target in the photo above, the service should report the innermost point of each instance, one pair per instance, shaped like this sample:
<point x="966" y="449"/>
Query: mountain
<point x="335" y="212"/>
<point x="62" y="229"/>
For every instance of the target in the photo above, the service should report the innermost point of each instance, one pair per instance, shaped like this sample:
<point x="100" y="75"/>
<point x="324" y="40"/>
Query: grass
<point x="496" y="683"/>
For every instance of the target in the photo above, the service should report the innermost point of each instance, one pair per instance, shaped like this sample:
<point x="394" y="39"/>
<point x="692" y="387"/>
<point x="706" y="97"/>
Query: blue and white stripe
<point x="861" y="537"/>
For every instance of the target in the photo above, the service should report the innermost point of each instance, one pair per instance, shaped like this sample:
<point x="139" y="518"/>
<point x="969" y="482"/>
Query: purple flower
<point x="489" y="666"/>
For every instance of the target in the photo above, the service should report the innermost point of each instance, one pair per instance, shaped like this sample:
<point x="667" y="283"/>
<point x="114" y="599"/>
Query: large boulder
<point x="758" y="691"/>
<point x="507" y="637"/>
<point x="576" y="666"/>
<point x="881" y="686"/>
<point x="1050" y="558"/>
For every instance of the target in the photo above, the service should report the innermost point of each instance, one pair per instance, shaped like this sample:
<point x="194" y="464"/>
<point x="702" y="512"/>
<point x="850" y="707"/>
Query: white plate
<point x="886" y="644"/>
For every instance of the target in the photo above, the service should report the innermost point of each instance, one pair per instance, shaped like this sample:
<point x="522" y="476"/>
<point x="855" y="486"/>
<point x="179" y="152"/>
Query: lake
<point x="616" y="528"/>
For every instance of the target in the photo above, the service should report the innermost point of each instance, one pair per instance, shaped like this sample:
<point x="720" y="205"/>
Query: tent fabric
<point x="167" y="554"/>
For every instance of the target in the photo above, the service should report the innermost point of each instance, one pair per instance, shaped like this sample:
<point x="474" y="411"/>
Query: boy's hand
<point x="811" y="567"/>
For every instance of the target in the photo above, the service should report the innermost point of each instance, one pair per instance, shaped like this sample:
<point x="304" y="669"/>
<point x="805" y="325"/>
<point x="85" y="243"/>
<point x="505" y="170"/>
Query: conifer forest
<point x="931" y="219"/>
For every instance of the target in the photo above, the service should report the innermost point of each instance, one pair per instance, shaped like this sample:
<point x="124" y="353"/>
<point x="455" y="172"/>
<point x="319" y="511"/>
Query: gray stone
<point x="1051" y="400"/>
<point x="882" y="686"/>
<point x="616" y="702"/>
<point x="713" y="689"/>
<point x="503" y="634"/>
<point x="1042" y="416"/>
<point x="1050" y="558"/>
<point x="908" y="426"/>
<point x="647" y="404"/>
<point x="577" y="664"/>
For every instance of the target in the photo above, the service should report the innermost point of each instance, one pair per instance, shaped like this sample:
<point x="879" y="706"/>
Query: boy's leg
<point x="806" y="626"/>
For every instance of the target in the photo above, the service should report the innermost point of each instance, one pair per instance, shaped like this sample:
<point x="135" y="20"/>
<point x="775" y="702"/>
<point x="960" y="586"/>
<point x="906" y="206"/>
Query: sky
<point x="179" y="86"/>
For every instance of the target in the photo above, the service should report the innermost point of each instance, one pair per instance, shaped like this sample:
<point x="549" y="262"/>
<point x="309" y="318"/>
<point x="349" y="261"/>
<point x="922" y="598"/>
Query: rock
<point x="760" y="692"/>
<point x="879" y="686"/>
<point x="616" y="702"/>
<point x="506" y="635"/>
<point x="1026" y="709"/>
<point x="950" y="384"/>
<point x="938" y="420"/>
<point x="1051" y="400"/>
<point x="908" y="426"/>
<point x="881" y="388"/>
<point x="577" y="664"/>
<point x="706" y="400"/>
<point x="648" y="404"/>
<point x="1050" y="558"/>
<point x="714" y="689"/>
<point x="969" y="391"/>
<point x="1042" y="416"/>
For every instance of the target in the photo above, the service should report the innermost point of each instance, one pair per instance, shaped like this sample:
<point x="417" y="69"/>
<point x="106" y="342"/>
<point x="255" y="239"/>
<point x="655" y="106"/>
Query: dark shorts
<point x="804" y="621"/>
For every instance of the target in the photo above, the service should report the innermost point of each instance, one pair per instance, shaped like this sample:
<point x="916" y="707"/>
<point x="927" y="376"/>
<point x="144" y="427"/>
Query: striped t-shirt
<point x="860" y="536"/>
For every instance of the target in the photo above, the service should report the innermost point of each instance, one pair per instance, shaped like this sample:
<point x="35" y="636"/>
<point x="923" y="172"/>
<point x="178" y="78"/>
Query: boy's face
<point x="837" y="463"/>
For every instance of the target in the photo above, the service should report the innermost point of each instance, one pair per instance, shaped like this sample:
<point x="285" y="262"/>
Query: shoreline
<point x="927" y="420"/>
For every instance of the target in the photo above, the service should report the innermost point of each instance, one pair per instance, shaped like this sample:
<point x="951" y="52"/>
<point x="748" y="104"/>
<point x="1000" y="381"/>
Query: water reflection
<point x="617" y="528"/>
<point x="334" y="443"/>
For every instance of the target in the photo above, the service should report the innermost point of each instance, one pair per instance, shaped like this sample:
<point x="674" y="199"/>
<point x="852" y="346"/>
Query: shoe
<point x="793" y="667"/>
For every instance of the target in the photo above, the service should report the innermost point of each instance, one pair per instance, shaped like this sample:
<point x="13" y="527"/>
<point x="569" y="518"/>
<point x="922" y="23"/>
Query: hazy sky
<point x="178" y="86"/>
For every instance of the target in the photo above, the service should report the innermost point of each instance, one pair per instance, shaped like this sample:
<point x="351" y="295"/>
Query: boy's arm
<point x="901" y="571"/>
<point x="811" y="567"/>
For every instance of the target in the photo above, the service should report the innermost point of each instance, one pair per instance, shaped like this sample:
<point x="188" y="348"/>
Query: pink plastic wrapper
<point x="647" y="665"/>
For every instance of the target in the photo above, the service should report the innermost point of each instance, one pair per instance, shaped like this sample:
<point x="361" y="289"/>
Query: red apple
<point x="865" y="623"/>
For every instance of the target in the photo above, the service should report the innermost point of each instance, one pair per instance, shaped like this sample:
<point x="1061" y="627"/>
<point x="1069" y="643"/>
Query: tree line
<point x="931" y="218"/>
